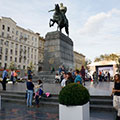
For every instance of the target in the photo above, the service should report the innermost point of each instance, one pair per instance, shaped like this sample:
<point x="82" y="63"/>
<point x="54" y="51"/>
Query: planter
<point x="74" y="112"/>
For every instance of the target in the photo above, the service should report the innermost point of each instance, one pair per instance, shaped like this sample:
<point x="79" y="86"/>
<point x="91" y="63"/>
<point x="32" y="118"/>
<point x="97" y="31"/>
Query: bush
<point x="74" y="94"/>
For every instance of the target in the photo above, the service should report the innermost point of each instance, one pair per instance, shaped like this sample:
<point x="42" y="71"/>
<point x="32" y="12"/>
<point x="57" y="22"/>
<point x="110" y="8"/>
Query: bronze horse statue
<point x="60" y="19"/>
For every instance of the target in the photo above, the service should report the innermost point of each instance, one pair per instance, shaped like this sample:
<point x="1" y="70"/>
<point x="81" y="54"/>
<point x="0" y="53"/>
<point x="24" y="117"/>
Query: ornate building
<point x="18" y="45"/>
<point x="41" y="43"/>
<point x="79" y="60"/>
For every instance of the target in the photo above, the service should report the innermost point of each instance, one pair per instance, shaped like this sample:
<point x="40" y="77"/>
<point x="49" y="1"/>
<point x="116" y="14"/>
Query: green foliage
<point x="108" y="57"/>
<point x="12" y="66"/>
<point x="87" y="62"/>
<point x="118" y="66"/>
<point x="31" y="66"/>
<point x="74" y="94"/>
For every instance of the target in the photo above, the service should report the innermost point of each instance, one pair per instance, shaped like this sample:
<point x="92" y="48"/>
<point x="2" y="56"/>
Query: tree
<point x="107" y="57"/>
<point x="118" y="66"/>
<point x="12" y="66"/>
<point x="87" y="62"/>
<point x="31" y="66"/>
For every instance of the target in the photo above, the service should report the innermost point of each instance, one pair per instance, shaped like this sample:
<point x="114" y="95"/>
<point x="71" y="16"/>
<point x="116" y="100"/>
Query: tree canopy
<point x="108" y="57"/>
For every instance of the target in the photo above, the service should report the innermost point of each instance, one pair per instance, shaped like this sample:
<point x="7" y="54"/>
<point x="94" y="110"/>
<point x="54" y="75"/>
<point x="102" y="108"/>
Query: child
<point x="38" y="92"/>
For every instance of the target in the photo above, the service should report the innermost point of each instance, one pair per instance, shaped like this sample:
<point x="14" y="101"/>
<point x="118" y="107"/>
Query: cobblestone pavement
<point x="103" y="88"/>
<point x="11" y="111"/>
<point x="14" y="111"/>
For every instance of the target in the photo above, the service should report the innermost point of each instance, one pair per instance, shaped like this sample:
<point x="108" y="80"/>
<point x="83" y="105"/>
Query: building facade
<point x="79" y="60"/>
<point x="41" y="44"/>
<point x="17" y="45"/>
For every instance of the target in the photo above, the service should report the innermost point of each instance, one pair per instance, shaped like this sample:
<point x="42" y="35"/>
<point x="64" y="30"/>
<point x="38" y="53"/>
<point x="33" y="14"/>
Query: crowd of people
<point x="101" y="76"/>
<point x="66" y="77"/>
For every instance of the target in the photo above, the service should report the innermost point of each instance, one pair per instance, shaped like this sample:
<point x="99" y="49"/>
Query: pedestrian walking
<point x="30" y="87"/>
<point x="82" y="71"/>
<point x="116" y="93"/>
<point x="95" y="78"/>
<point x="12" y="76"/>
<point x="4" y="76"/>
<point x="29" y="73"/>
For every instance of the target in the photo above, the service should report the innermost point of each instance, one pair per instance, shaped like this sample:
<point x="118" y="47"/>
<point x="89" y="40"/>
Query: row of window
<point x="20" y="59"/>
<point x="18" y="33"/>
<point x="22" y="48"/>
<point x="18" y="67"/>
<point x="8" y="28"/>
<point x="24" y="40"/>
<point x="16" y="53"/>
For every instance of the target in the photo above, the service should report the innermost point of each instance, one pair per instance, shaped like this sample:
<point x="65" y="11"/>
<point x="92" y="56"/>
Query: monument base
<point x="58" y="52"/>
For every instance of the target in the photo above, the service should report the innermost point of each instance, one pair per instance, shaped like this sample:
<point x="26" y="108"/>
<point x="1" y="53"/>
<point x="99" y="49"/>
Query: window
<point x="8" y="36"/>
<point x="5" y="65"/>
<point x="16" y="39"/>
<point x="6" y="51"/>
<point x="32" y="38"/>
<point x="3" y="27"/>
<point x="16" y="32"/>
<point x="2" y="34"/>
<point x="0" y="57"/>
<point x="1" y="50"/>
<point x="11" y="58"/>
<point x="19" y="67"/>
<point x="1" y="42"/>
<point x="13" y="30"/>
<point x="8" y="29"/>
<point x="20" y="59"/>
<point x="12" y="44"/>
<point x="32" y="50"/>
<point x="16" y="52"/>
<point x="23" y="66"/>
<point x="16" y="46"/>
<point x="7" y="43"/>
<point x="11" y="51"/>
<point x="15" y="59"/>
<point x="35" y="57"/>
<point x="5" y="58"/>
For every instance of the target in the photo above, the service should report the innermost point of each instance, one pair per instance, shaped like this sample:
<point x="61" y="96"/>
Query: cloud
<point x="95" y="23"/>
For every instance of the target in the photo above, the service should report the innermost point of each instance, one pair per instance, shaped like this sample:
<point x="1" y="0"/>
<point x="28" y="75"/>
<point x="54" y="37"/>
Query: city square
<point x="59" y="60"/>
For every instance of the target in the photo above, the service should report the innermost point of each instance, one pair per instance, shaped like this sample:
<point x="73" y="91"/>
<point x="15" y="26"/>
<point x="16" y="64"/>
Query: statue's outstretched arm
<point x="51" y="10"/>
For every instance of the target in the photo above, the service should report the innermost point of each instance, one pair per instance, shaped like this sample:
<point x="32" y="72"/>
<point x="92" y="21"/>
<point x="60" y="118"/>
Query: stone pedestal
<point x="58" y="51"/>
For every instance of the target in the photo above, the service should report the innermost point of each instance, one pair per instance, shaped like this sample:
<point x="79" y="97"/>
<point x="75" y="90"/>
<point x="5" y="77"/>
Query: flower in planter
<point x="74" y="94"/>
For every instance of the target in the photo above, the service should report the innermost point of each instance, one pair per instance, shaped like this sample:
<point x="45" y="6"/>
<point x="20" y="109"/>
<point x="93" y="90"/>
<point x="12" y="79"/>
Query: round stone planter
<point x="74" y="112"/>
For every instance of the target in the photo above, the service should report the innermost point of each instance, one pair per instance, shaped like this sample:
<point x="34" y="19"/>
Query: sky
<point x="94" y="25"/>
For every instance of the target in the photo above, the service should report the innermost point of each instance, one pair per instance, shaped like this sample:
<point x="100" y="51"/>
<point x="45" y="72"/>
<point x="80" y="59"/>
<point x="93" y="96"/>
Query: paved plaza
<point x="13" y="111"/>
<point x="103" y="88"/>
<point x="17" y="111"/>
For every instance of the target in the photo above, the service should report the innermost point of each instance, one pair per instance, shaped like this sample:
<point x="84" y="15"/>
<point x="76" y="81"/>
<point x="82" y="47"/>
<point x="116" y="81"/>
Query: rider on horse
<point x="59" y="17"/>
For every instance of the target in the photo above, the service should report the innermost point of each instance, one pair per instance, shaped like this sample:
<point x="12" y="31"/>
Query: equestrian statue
<point x="59" y="17"/>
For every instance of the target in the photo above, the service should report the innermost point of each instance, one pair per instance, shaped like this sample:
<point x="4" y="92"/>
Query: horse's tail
<point x="67" y="27"/>
<point x="67" y="30"/>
